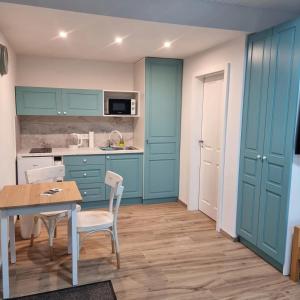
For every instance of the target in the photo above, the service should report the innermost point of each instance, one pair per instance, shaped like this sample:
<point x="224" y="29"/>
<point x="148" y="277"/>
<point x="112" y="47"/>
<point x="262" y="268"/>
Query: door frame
<point x="194" y="188"/>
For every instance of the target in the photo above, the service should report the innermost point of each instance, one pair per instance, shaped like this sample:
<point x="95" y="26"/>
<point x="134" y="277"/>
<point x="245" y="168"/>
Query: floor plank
<point x="166" y="253"/>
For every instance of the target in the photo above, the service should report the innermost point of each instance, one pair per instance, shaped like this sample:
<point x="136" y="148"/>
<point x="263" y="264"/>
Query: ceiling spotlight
<point x="63" y="34"/>
<point x="167" y="44"/>
<point x="118" y="40"/>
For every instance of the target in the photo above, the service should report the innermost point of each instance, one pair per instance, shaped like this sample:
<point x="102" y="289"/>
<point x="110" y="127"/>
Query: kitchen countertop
<point x="80" y="151"/>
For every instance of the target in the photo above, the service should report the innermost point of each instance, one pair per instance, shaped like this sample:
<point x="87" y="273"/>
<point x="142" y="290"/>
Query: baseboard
<point x="159" y="200"/>
<point x="102" y="204"/>
<point x="228" y="236"/>
<point x="182" y="203"/>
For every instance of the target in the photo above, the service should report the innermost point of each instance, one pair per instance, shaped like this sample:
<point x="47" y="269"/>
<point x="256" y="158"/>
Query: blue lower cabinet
<point x="89" y="173"/>
<point x="130" y="166"/>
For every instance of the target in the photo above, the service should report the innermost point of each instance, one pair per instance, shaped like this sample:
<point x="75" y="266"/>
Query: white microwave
<point x="120" y="107"/>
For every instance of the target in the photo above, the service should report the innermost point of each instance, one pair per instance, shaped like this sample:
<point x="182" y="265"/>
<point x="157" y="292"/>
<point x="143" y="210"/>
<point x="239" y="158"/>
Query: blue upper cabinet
<point x="82" y="102"/>
<point x="130" y="167"/>
<point x="38" y="101"/>
<point x="267" y="145"/>
<point x="58" y="102"/>
<point x="255" y="101"/>
<point x="163" y="116"/>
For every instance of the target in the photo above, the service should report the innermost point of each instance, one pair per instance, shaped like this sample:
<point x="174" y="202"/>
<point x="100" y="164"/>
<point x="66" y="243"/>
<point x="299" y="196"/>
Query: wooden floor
<point x="166" y="253"/>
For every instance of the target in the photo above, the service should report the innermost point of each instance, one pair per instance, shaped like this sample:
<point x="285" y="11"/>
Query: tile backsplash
<point x="36" y="131"/>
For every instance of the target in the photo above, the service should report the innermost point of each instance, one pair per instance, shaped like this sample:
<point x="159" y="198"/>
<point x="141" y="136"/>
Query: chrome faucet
<point x="110" y="142"/>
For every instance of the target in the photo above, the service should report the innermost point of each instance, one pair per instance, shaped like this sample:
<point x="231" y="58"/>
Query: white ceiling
<point x="33" y="31"/>
<point x="243" y="15"/>
<point x="285" y="5"/>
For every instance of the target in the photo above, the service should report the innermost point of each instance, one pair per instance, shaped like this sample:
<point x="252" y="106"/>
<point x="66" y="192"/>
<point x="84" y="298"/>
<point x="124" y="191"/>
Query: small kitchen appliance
<point x="120" y="107"/>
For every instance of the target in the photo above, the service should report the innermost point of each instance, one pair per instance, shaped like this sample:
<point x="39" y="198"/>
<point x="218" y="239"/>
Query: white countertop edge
<point x="80" y="151"/>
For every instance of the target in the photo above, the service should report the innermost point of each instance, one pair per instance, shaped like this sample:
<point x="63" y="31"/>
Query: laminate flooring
<point x="166" y="253"/>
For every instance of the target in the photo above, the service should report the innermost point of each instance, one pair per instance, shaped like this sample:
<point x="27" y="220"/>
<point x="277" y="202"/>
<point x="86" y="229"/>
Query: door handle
<point x="201" y="143"/>
<point x="258" y="156"/>
<point x="264" y="158"/>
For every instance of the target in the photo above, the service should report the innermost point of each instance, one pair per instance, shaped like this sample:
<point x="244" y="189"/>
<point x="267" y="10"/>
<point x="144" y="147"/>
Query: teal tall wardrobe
<point x="267" y="143"/>
<point x="163" y="81"/>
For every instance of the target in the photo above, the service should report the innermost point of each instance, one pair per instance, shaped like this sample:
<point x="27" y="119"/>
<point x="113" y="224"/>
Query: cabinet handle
<point x="84" y="160"/>
<point x="147" y="141"/>
<point x="258" y="156"/>
<point x="264" y="157"/>
<point x="84" y="174"/>
<point x="58" y="112"/>
<point x="108" y="157"/>
<point x="84" y="193"/>
<point x="65" y="112"/>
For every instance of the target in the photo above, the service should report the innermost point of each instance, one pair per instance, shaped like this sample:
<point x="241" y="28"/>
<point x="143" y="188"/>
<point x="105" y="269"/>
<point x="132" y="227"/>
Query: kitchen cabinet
<point x="82" y="102"/>
<point x="38" y="101"/>
<point x="130" y="167"/>
<point x="267" y="144"/>
<point x="162" y="128"/>
<point x="58" y="102"/>
<point x="89" y="173"/>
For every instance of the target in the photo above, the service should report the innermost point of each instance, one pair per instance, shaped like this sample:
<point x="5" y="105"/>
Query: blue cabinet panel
<point x="38" y="101"/>
<point x="82" y="102"/>
<point x="267" y="145"/>
<point x="130" y="167"/>
<point x="163" y="109"/>
<point x="279" y="139"/>
<point x="255" y="101"/>
<point x="61" y="102"/>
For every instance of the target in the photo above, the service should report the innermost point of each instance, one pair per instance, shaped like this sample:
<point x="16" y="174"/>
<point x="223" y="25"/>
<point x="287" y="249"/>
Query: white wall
<point x="209" y="61"/>
<point x="7" y="120"/>
<point x="293" y="214"/>
<point x="73" y="73"/>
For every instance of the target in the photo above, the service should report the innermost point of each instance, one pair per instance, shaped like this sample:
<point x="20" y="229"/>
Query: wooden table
<point x="26" y="200"/>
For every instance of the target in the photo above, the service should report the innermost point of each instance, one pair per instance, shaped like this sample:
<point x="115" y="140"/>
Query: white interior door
<point x="210" y="144"/>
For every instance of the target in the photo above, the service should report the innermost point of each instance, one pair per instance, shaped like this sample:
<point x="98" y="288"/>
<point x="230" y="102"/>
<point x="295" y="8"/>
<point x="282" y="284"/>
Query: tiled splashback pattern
<point x="55" y="131"/>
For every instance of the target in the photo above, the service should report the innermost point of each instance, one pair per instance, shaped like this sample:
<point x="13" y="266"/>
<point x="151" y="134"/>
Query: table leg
<point x="12" y="242"/>
<point x="4" y="254"/>
<point x="74" y="245"/>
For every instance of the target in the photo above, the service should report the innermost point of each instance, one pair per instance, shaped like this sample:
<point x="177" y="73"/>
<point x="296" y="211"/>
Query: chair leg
<point x="55" y="232"/>
<point x="51" y="230"/>
<point x="112" y="241"/>
<point x="35" y="222"/>
<point x="115" y="233"/>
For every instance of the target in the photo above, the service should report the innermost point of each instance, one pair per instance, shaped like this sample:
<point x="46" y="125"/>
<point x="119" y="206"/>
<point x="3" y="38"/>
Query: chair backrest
<point x="46" y="174"/>
<point x="115" y="182"/>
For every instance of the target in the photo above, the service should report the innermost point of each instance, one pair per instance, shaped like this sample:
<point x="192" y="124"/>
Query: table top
<point x="25" y="195"/>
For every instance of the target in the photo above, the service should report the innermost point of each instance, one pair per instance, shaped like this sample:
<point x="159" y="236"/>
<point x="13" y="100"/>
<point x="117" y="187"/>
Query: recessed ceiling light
<point x="167" y="44"/>
<point x="63" y="34"/>
<point x="118" y="40"/>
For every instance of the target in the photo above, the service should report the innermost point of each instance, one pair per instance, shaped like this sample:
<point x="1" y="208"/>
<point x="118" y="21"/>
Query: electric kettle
<point x="75" y="141"/>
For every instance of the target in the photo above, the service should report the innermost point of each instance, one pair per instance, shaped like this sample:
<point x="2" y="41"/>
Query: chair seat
<point x="59" y="213"/>
<point x="94" y="220"/>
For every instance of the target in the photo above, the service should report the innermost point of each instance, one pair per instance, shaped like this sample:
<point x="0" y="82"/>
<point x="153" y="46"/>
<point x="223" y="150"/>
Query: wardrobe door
<point x="279" y="139"/>
<point x="254" y="110"/>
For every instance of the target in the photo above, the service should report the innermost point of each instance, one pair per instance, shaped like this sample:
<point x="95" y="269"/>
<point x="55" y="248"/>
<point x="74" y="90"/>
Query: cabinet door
<point x="82" y="102"/>
<point x="254" y="110"/>
<point x="130" y="167"/>
<point x="163" y="108"/>
<point x="279" y="139"/>
<point x="38" y="101"/>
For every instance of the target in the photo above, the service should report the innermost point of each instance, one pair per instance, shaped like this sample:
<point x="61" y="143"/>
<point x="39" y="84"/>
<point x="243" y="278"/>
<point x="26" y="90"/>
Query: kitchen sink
<point x="115" y="148"/>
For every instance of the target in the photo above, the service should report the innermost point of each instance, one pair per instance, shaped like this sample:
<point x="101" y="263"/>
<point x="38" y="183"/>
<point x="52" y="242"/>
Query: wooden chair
<point x="99" y="220"/>
<point x="295" y="267"/>
<point x="50" y="219"/>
